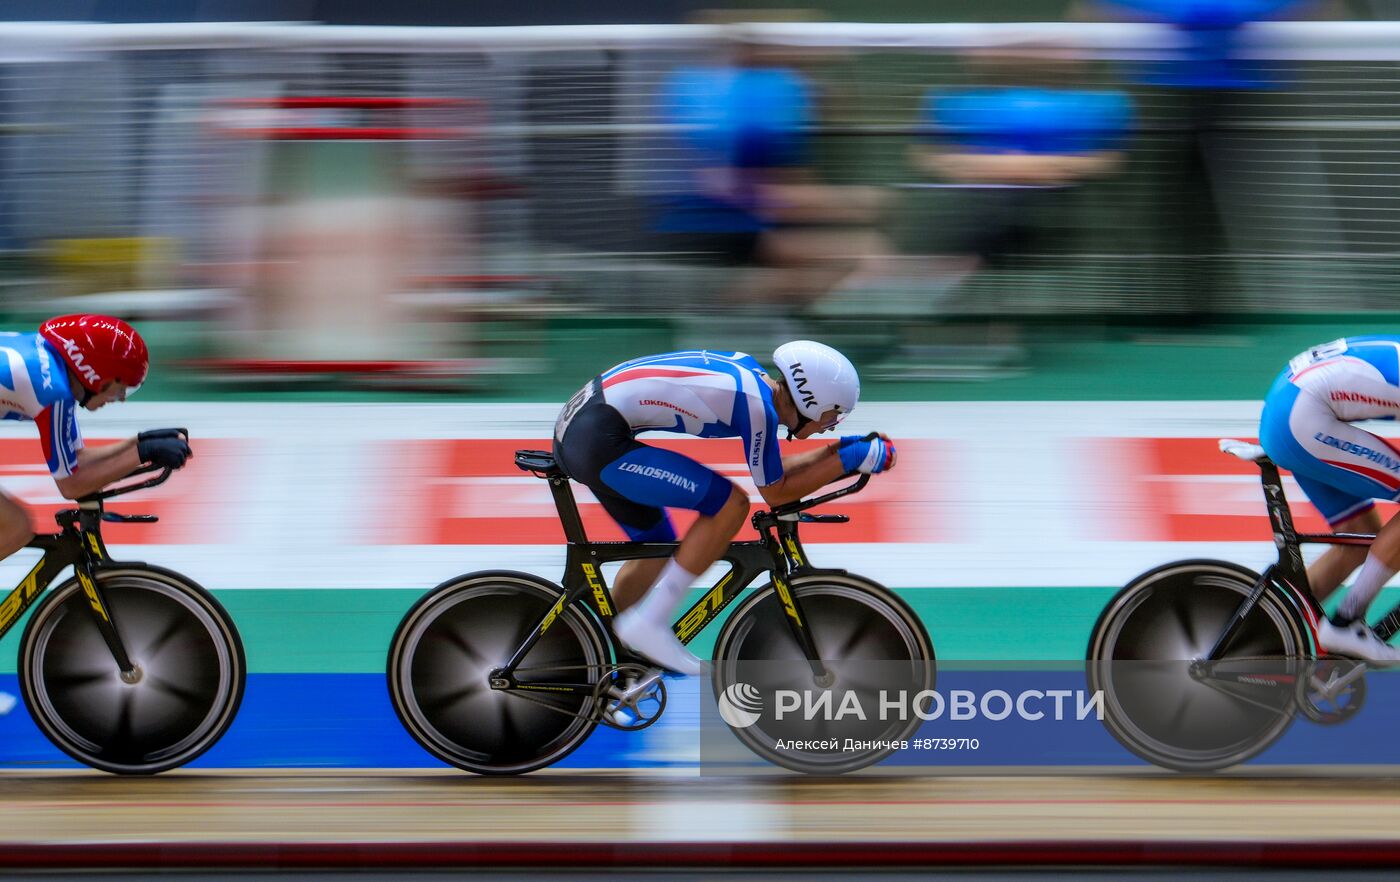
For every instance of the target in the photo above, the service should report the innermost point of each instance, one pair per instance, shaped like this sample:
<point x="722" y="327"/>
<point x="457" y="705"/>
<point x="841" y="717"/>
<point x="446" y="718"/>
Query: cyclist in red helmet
<point x="76" y="361"/>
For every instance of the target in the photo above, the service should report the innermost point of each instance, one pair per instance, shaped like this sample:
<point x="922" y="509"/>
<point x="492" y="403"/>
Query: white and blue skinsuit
<point x="699" y="392"/>
<point x="34" y="385"/>
<point x="1307" y="426"/>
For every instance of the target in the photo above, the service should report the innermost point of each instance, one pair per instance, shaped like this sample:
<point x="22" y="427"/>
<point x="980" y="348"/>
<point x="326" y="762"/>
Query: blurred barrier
<point x="112" y="133"/>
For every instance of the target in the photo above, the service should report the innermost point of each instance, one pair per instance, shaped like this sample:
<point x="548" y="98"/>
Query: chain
<point x="596" y="702"/>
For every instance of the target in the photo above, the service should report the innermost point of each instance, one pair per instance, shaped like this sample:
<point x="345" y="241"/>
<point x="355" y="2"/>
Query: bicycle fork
<point x="84" y="568"/>
<point x="789" y="552"/>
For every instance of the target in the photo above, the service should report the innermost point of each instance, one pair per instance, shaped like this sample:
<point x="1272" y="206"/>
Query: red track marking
<point x="719" y="855"/>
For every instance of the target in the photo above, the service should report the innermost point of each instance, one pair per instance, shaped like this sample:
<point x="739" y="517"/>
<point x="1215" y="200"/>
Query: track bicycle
<point x="1205" y="663"/>
<point x="502" y="672"/>
<point x="126" y="667"/>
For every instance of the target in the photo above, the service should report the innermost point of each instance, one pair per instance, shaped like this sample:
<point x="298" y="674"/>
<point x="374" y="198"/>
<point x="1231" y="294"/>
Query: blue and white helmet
<point x="819" y="378"/>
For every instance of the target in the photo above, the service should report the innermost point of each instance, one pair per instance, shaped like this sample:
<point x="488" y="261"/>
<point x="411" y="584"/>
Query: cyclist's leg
<point x="1293" y="431"/>
<point x="1341" y="468"/>
<point x="15" y="532"/>
<point x="641" y="523"/>
<point x="710" y="535"/>
<point x="706" y="540"/>
<point x="635" y="483"/>
<point x="634" y="578"/>
<point x="1334" y="565"/>
<point x="666" y="478"/>
<point x="15" y="527"/>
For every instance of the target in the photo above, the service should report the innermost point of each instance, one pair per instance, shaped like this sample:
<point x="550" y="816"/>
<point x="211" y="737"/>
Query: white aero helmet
<point x="819" y="378"/>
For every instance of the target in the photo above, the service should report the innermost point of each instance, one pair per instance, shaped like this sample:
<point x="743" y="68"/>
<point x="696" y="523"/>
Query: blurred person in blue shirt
<point x="1207" y="54"/>
<point x="743" y="194"/>
<point x="1014" y="145"/>
<point x="1205" y="86"/>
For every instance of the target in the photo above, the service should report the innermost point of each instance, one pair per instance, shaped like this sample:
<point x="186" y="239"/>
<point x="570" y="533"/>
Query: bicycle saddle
<point x="1243" y="449"/>
<point x="541" y="462"/>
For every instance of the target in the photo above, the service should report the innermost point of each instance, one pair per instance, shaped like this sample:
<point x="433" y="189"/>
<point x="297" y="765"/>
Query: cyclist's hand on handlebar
<point x="150" y="434"/>
<point x="868" y="456"/>
<point x="166" y="451"/>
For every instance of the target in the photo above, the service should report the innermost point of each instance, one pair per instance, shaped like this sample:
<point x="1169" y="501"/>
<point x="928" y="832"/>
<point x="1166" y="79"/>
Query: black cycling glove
<point x="169" y="451"/>
<point x="160" y="433"/>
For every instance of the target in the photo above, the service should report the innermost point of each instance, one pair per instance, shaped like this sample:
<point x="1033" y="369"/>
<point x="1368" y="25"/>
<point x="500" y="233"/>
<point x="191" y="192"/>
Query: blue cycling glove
<point x="868" y="457"/>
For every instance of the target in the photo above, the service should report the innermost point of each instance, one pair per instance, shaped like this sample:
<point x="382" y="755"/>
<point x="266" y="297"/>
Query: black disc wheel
<point x="869" y="642"/>
<point x="442" y="657"/>
<point x="177" y="702"/>
<point x="1163" y="704"/>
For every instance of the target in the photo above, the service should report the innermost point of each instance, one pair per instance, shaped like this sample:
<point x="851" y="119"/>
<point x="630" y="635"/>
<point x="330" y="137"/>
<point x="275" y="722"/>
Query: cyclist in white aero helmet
<point x="819" y="380"/>
<point x="711" y="395"/>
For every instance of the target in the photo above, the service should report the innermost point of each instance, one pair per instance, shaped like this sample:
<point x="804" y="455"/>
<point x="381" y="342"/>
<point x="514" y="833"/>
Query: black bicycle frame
<point x="1289" y="574"/>
<point x="778" y="551"/>
<point x="78" y="544"/>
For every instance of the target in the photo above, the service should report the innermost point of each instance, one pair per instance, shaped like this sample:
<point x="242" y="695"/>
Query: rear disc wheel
<point x="442" y="657"/>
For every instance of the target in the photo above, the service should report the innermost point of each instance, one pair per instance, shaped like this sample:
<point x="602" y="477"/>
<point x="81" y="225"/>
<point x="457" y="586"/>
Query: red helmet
<point x="98" y="348"/>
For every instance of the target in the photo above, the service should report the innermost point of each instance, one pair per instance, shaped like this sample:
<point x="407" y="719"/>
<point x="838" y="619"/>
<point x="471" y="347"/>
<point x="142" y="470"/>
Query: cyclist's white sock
<point x="646" y="626"/>
<point x="1373" y="576"/>
<point x="661" y="600"/>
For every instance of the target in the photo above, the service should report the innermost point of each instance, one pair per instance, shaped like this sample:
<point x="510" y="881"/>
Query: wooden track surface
<point x="368" y="807"/>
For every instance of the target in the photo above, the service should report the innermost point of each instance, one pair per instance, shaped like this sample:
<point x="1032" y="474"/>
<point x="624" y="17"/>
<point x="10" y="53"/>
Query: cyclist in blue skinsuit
<point x="1307" y="428"/>
<point x="76" y="361"/>
<point x="710" y="395"/>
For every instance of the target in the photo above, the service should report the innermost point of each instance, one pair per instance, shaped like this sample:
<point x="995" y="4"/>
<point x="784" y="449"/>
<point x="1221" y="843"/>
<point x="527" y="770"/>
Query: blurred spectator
<point x="745" y="194"/>
<point x="1008" y="151"/>
<point x="1205" y="85"/>
<point x="1014" y="145"/>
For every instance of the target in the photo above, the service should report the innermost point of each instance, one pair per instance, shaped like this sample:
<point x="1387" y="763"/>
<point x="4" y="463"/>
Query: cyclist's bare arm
<point x="98" y="467"/>
<point x="803" y="474"/>
<point x="807" y="472"/>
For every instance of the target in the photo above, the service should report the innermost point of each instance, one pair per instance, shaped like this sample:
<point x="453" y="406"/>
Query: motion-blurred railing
<point x="107" y="137"/>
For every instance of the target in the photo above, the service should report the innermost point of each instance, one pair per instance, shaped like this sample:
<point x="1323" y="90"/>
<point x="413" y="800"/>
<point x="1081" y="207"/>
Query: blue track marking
<point x="340" y="721"/>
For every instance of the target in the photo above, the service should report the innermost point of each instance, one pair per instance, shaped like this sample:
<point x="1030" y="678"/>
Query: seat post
<point x="543" y="464"/>
<point x="1280" y="516"/>
<point x="568" y="508"/>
